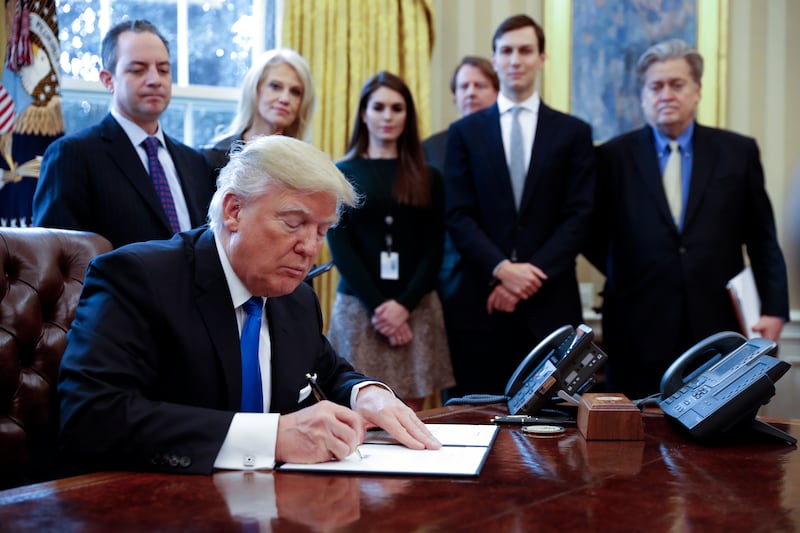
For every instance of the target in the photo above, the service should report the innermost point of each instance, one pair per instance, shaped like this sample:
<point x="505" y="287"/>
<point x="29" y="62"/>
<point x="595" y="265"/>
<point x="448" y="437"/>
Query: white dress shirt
<point x="137" y="136"/>
<point x="252" y="437"/>
<point x="528" y="119"/>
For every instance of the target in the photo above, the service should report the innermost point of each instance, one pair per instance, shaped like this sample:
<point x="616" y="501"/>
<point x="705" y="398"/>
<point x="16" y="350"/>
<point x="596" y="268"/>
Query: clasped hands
<point x="518" y="281"/>
<point x="391" y="321"/>
<point x="327" y="431"/>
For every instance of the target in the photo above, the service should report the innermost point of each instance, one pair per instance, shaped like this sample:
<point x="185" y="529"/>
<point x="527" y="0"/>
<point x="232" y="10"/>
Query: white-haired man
<point x="154" y="376"/>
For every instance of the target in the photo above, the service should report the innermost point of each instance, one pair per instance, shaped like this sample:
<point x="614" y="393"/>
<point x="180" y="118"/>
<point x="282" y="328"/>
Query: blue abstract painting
<point x="608" y="36"/>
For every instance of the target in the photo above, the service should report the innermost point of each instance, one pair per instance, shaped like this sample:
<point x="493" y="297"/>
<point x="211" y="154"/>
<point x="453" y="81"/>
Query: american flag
<point x="30" y="103"/>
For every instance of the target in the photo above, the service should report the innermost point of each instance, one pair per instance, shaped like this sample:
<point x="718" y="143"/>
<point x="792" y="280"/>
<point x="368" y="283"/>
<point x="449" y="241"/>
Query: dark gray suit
<point x="152" y="368"/>
<point x="665" y="290"/>
<point x="94" y="180"/>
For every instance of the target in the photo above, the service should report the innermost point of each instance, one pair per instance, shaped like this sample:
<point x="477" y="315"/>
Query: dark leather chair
<point x="41" y="282"/>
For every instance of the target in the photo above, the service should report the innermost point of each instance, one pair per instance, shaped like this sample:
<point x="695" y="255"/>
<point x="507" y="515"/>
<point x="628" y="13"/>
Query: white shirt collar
<point x="134" y="132"/>
<point x="239" y="293"/>
<point x="505" y="104"/>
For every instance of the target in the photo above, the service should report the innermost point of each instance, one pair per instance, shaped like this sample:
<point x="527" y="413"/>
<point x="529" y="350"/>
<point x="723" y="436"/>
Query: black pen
<point x="312" y="381"/>
<point x="525" y="420"/>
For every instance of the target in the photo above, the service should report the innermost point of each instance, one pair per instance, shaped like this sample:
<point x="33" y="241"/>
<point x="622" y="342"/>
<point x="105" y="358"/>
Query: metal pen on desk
<point x="319" y="395"/>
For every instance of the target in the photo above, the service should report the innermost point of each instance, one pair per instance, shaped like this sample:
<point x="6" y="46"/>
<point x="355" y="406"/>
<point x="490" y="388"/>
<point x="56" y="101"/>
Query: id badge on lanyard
<point x="390" y="261"/>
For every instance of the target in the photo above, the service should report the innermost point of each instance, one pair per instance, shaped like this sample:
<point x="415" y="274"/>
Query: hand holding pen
<point x="320" y="396"/>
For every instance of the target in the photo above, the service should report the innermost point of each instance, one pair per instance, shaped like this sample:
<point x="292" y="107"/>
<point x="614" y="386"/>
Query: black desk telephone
<point x="717" y="386"/>
<point x="565" y="361"/>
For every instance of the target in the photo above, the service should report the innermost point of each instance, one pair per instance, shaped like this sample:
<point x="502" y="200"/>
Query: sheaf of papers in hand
<point x="463" y="452"/>
<point x="746" y="302"/>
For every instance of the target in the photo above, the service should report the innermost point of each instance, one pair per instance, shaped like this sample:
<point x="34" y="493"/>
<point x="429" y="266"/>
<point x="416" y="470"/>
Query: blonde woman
<point x="277" y="98"/>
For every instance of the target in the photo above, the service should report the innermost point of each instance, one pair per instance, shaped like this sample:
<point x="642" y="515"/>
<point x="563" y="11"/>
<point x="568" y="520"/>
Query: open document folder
<point x="463" y="452"/>
<point x="746" y="303"/>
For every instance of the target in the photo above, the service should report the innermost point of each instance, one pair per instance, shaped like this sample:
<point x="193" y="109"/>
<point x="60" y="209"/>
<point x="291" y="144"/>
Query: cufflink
<point x="248" y="460"/>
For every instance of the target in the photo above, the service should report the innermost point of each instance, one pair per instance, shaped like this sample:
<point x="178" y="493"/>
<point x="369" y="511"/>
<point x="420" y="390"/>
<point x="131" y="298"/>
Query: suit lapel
<point x="542" y="147"/>
<point x="183" y="169"/>
<point x="490" y="137"/>
<point x="704" y="156"/>
<point x="643" y="153"/>
<point x="216" y="309"/>
<point x="123" y="154"/>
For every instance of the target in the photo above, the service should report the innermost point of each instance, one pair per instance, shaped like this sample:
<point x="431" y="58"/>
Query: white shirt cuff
<point x="250" y="442"/>
<point x="252" y="437"/>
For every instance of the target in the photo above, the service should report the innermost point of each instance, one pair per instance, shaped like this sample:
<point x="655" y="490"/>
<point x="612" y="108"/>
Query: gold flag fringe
<point x="41" y="120"/>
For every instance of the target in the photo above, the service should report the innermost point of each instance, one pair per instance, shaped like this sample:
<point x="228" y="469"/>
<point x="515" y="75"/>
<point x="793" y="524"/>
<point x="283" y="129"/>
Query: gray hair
<point x="671" y="49"/>
<point x="277" y="161"/>
<point x="258" y="72"/>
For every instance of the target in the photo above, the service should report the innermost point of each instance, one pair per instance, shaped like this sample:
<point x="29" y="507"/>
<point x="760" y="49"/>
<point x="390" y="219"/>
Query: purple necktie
<point x="160" y="183"/>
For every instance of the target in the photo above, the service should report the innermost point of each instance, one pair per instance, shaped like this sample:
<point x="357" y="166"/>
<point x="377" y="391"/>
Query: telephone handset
<point x="564" y="361"/>
<point x="717" y="386"/>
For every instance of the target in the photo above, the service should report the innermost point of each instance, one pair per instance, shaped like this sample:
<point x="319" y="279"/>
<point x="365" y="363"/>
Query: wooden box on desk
<point x="609" y="416"/>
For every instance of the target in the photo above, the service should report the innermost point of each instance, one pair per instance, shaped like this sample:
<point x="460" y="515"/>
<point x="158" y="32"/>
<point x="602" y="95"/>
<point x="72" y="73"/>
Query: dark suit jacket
<point x="658" y="278"/>
<point x="94" y="181"/>
<point x="435" y="150"/>
<point x="548" y="229"/>
<point x="151" y="376"/>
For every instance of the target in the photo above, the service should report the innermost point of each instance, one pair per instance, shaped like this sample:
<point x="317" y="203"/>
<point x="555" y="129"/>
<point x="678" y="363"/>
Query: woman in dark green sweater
<point x="387" y="318"/>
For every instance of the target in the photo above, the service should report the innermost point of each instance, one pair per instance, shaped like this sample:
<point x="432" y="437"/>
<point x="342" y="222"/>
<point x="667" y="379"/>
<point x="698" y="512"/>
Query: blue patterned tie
<point x="160" y="183"/>
<point x="252" y="394"/>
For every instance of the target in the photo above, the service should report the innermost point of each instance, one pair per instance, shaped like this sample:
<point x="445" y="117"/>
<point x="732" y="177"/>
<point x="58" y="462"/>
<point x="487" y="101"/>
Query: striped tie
<point x="160" y="183"/>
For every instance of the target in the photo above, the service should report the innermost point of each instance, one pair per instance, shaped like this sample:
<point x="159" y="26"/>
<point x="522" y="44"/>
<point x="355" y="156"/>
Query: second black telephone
<point x="717" y="386"/>
<point x="565" y="361"/>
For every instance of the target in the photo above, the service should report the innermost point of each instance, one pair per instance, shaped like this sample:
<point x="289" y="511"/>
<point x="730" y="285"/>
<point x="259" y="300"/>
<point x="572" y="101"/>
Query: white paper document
<point x="463" y="452"/>
<point x="746" y="303"/>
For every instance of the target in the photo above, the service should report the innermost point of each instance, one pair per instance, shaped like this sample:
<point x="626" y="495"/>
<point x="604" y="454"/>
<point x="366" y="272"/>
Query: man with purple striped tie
<point x="124" y="178"/>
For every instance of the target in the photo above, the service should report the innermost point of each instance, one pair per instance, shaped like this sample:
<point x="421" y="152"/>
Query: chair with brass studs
<point x="42" y="277"/>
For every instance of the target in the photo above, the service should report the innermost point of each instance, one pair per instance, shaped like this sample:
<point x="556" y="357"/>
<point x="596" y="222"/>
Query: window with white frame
<point x="212" y="44"/>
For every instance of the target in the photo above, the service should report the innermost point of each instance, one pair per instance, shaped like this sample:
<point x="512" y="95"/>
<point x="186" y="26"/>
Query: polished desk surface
<point x="665" y="483"/>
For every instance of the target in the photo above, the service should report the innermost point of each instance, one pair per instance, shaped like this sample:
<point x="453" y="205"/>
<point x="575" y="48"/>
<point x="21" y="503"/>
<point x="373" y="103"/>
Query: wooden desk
<point x="665" y="483"/>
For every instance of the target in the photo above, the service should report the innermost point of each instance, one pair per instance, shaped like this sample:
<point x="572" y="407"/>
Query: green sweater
<point x="358" y="240"/>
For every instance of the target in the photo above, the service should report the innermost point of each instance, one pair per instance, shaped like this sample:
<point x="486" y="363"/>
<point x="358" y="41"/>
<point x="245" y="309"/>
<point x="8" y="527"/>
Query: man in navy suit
<point x="518" y="205"/>
<point x="667" y="263"/>
<point x="152" y="376"/>
<point x="98" y="179"/>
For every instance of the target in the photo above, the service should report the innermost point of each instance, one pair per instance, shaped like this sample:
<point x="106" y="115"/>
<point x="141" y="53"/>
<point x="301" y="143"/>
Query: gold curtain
<point x="345" y="42"/>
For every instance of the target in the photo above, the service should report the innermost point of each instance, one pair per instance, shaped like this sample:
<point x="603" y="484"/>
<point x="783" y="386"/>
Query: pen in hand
<point x="319" y="395"/>
<point x="312" y="382"/>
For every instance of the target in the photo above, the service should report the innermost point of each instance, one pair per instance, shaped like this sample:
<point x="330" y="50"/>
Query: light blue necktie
<point x="252" y="394"/>
<point x="517" y="157"/>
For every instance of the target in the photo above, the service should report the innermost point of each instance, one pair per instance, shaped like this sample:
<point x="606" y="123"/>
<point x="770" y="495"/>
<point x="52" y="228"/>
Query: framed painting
<point x="593" y="46"/>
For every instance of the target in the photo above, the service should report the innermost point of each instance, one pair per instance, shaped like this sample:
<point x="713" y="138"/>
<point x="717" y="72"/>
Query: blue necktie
<point x="160" y="183"/>
<point x="252" y="394"/>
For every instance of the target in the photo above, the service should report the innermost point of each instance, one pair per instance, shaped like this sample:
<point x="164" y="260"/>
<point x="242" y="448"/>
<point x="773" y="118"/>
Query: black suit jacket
<point x="659" y="280"/>
<point x="152" y="368"/>
<point x="94" y="181"/>
<point x="549" y="228"/>
<point x="435" y="150"/>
